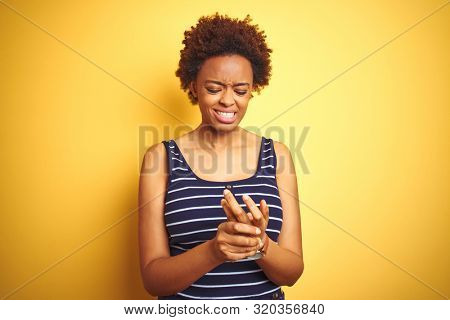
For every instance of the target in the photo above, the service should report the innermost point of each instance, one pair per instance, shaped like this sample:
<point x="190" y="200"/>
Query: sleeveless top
<point x="192" y="213"/>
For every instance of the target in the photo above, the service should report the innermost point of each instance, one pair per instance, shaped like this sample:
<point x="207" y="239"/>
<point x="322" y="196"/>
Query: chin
<point x="223" y="127"/>
<point x="226" y="128"/>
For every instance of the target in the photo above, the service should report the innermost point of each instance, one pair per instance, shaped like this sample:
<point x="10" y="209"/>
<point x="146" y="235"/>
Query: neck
<point x="215" y="139"/>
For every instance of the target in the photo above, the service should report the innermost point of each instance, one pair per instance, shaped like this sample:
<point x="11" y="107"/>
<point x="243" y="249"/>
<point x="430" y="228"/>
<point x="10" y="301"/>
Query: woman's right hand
<point x="234" y="241"/>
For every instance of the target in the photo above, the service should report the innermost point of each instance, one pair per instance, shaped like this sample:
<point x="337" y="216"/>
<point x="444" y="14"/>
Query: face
<point x="223" y="88"/>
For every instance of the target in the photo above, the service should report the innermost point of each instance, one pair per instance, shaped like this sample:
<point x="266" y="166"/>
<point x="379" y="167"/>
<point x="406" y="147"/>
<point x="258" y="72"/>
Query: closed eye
<point x="216" y="91"/>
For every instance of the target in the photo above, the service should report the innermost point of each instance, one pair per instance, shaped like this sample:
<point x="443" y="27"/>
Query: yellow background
<point x="78" y="80"/>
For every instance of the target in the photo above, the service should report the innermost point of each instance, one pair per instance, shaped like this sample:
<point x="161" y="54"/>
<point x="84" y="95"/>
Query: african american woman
<point x="230" y="232"/>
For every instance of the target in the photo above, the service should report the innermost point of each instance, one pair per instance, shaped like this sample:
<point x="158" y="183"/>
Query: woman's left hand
<point x="259" y="217"/>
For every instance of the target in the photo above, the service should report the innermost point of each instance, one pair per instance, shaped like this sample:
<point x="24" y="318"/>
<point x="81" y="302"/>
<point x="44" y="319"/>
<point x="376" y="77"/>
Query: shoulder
<point x="285" y="162"/>
<point x="158" y="149"/>
<point x="154" y="159"/>
<point x="282" y="152"/>
<point x="281" y="149"/>
<point x="153" y="178"/>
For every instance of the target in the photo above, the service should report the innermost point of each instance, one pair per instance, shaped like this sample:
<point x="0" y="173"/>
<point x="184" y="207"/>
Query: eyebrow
<point x="223" y="84"/>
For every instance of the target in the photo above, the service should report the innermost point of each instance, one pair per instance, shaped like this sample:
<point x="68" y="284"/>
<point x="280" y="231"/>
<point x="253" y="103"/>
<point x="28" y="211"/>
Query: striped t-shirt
<point x="193" y="212"/>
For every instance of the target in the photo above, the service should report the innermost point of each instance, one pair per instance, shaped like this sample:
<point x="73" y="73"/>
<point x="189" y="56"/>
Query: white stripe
<point x="192" y="232"/>
<point x="194" y="197"/>
<point x="267" y="150"/>
<point x="265" y="177"/>
<point x="268" y="166"/>
<point x="177" y="154"/>
<point x="192" y="241"/>
<point x="174" y="246"/>
<point x="271" y="156"/>
<point x="266" y="143"/>
<point x="229" y="297"/>
<point x="237" y="272"/>
<point x="274" y="206"/>
<point x="228" y="285"/>
<point x="191" y="208"/>
<point x="204" y="219"/>
<point x="177" y="159"/>
<point x="223" y="187"/>
<point x="208" y="230"/>
<point x="255" y="185"/>
<point x="257" y="194"/>
<point x="171" y="147"/>
<point x="207" y="207"/>
<point x="192" y="220"/>
<point x="173" y="180"/>
<point x="195" y="187"/>
<point x="195" y="241"/>
<point x="207" y="240"/>
<point x="179" y="168"/>
<point x="241" y="260"/>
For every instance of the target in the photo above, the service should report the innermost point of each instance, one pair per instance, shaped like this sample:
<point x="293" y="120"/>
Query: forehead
<point x="232" y="68"/>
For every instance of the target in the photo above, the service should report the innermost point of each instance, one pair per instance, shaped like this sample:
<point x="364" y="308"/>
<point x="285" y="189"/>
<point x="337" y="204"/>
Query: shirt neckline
<point x="258" y="168"/>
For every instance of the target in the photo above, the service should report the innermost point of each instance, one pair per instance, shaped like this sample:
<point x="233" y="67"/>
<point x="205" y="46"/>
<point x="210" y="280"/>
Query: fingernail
<point x="226" y="191"/>
<point x="245" y="197"/>
<point x="258" y="231"/>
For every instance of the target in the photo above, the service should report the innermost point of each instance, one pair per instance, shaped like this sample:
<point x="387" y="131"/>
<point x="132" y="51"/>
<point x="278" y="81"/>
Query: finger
<point x="241" y="234"/>
<point x="265" y="209"/>
<point x="241" y="249"/>
<point x="257" y="215"/>
<point x="237" y="210"/>
<point x="261" y="207"/>
<point x="229" y="212"/>
<point x="227" y="209"/>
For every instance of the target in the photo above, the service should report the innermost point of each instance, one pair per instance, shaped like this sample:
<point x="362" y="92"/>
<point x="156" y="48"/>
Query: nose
<point x="227" y="98"/>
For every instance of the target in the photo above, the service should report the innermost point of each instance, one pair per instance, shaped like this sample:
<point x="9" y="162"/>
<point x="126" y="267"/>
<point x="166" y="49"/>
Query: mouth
<point x="225" y="117"/>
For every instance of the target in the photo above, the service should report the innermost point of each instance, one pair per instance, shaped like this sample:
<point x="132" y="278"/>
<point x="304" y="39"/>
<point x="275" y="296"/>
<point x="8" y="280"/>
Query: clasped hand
<point x="238" y="237"/>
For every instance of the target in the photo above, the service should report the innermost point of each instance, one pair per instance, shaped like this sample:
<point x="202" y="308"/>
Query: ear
<point x="193" y="88"/>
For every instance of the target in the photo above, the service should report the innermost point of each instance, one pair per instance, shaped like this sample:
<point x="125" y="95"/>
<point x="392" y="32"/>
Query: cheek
<point x="208" y="100"/>
<point x="242" y="111"/>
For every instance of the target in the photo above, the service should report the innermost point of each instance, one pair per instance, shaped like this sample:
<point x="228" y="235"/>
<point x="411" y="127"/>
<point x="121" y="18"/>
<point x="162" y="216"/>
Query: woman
<point x="198" y="233"/>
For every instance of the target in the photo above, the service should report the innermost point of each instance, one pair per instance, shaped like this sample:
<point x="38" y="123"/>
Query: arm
<point x="283" y="262"/>
<point x="169" y="275"/>
<point x="281" y="265"/>
<point x="161" y="273"/>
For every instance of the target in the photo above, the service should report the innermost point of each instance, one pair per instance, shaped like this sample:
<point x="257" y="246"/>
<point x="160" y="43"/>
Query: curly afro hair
<point x="219" y="35"/>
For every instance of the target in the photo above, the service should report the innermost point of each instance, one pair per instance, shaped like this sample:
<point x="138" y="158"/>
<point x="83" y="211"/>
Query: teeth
<point x="226" y="114"/>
